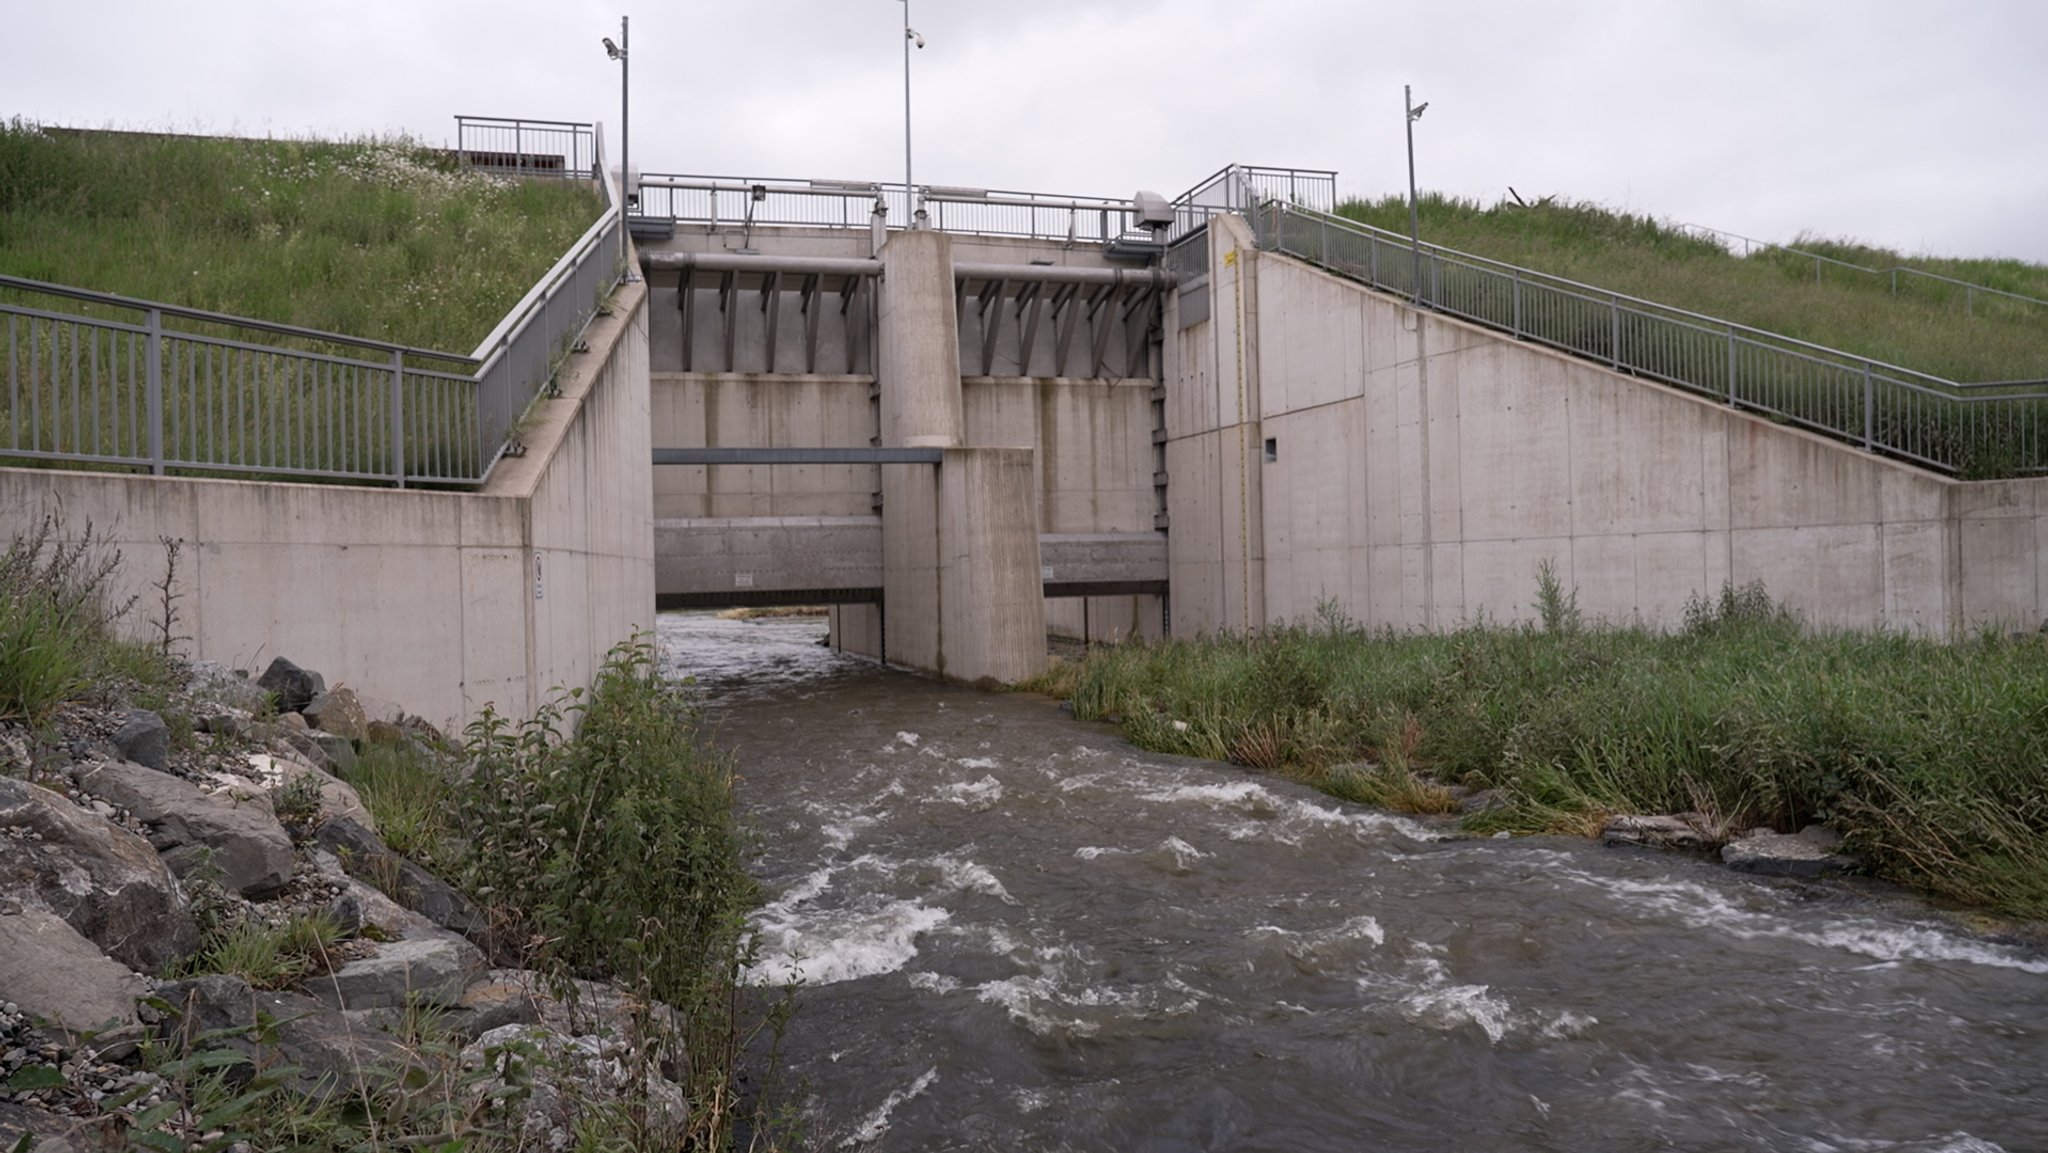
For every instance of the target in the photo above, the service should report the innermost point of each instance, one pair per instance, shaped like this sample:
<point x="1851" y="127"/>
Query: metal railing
<point x="723" y="201"/>
<point x="515" y="147"/>
<point x="98" y="378"/>
<point x="1241" y="187"/>
<point x="1892" y="275"/>
<point x="1962" y="429"/>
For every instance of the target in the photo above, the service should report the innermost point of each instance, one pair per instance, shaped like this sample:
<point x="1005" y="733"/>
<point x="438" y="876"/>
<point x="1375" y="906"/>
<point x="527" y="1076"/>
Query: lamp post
<point x="1412" y="112"/>
<point x="618" y="53"/>
<point x="913" y="216"/>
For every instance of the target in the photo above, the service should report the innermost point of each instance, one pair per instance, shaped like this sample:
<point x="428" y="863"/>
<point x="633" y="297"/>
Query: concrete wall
<point x="1424" y="467"/>
<point x="439" y="602"/>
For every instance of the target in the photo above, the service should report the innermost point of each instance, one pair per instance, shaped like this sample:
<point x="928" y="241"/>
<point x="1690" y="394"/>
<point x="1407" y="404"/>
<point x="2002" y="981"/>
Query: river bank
<point x="1928" y="762"/>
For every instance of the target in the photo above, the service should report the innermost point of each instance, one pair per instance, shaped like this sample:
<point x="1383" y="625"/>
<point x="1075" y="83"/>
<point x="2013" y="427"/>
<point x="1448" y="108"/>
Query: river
<point x="1017" y="932"/>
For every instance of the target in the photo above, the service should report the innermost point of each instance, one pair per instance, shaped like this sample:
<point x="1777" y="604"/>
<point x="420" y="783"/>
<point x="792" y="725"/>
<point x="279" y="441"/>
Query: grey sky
<point x="1911" y="123"/>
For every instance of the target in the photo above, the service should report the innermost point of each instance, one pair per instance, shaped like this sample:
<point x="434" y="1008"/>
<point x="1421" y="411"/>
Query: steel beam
<point x="771" y="303"/>
<point x="786" y="455"/>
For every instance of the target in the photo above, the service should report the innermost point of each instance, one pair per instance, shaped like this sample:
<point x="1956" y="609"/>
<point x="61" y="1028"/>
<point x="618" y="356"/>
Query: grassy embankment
<point x="379" y="239"/>
<point x="598" y="836"/>
<point x="1924" y="328"/>
<point x="382" y="239"/>
<point x="1931" y="759"/>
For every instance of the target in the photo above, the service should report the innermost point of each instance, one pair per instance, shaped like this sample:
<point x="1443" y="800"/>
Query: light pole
<point x="618" y="53"/>
<point x="1413" y="112"/>
<point x="913" y="216"/>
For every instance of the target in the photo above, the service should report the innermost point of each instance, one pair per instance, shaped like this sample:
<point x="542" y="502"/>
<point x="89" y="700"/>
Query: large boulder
<point x="432" y="968"/>
<point x="211" y="681"/>
<point x="366" y="857"/>
<point x="106" y="882"/>
<point x="337" y="711"/>
<point x="293" y="686"/>
<point x="1662" y="832"/>
<point x="47" y="968"/>
<point x="188" y="826"/>
<point x="332" y="1051"/>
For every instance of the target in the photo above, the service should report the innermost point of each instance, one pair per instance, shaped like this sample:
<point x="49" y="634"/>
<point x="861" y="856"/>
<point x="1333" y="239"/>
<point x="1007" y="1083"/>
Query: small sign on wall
<point x="538" y="590"/>
<point x="743" y="580"/>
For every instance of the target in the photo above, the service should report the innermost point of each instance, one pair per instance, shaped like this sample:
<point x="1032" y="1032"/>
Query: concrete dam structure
<point x="961" y="442"/>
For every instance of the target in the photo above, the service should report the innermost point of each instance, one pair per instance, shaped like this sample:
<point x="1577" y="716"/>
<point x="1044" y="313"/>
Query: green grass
<point x="1931" y="759"/>
<point x="57" y="636"/>
<point x="377" y="238"/>
<point x="1924" y="328"/>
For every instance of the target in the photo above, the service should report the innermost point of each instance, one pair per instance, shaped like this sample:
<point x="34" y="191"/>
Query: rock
<point x="144" y="738"/>
<point x="366" y="857"/>
<point x="103" y="880"/>
<point x="433" y="969"/>
<point x="214" y="682"/>
<point x="209" y="1004"/>
<point x="238" y="791"/>
<point x="332" y="1053"/>
<point x="292" y="723"/>
<point x="1672" y="832"/>
<point x="337" y="797"/>
<point x="385" y="734"/>
<point x="339" y="750"/>
<point x="337" y="711"/>
<point x="54" y="973"/>
<point x="222" y="720"/>
<point x="247" y="845"/>
<point x="503" y="997"/>
<point x="1483" y="801"/>
<point x="549" y="1081"/>
<point x="17" y="759"/>
<point x="293" y="686"/>
<point x="306" y="744"/>
<point x="57" y="1133"/>
<point x="1812" y="852"/>
<point x="377" y="709"/>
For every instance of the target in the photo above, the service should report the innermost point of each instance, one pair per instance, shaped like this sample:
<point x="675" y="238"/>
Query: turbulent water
<point x="1015" y="931"/>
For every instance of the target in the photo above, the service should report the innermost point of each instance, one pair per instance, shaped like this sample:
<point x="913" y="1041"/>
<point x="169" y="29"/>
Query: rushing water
<point x="1018" y="932"/>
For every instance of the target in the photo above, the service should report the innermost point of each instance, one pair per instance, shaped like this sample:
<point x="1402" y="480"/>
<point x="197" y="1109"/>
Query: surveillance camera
<point x="912" y="34"/>
<point x="611" y="49"/>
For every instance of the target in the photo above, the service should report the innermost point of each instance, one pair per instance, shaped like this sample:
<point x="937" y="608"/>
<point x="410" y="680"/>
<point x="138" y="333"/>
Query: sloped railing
<point x="1968" y="430"/>
<point x="96" y="378"/>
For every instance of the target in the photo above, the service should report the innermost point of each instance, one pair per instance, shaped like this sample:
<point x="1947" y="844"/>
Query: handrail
<point x="1893" y="272"/>
<point x="1979" y="429"/>
<point x="137" y="304"/>
<point x="268" y="398"/>
<point x="1468" y="258"/>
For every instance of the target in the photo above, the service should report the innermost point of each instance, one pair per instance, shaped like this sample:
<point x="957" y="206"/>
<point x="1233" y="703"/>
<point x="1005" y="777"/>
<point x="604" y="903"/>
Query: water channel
<point x="1016" y="931"/>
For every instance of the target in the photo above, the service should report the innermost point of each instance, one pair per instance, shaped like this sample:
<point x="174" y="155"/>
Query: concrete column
<point x="919" y="371"/>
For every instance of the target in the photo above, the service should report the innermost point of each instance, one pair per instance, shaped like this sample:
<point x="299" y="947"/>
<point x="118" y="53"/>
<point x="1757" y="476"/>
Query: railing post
<point x="1614" y="350"/>
<point x="1326" y="244"/>
<point x="1517" y="329"/>
<point x="155" y="388"/>
<point x="1869" y="409"/>
<point x="1970" y="299"/>
<point x="1731" y="366"/>
<point x="398" y="416"/>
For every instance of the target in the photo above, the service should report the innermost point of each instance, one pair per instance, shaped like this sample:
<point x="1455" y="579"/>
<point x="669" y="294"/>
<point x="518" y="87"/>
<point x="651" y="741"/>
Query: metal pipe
<point x="1409" y="113"/>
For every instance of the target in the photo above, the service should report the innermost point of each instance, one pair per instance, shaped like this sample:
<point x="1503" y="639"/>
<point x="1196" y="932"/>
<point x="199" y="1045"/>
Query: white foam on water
<point x="1701" y="907"/>
<point x="1090" y="852"/>
<point x="1956" y="1142"/>
<point x="877" y="1122"/>
<point x="1282" y="815"/>
<point x="910" y="739"/>
<point x="934" y="982"/>
<point x="1029" y="1101"/>
<point x="974" y="796"/>
<point x="979" y="762"/>
<point x="1081" y="782"/>
<point x="826" y="947"/>
<point x="1454" y="1005"/>
<point x="1022" y="996"/>
<point x="968" y="877"/>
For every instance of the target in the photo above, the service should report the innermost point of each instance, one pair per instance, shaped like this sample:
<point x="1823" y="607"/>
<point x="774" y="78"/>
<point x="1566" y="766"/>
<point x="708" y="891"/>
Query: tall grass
<point x="57" y="621"/>
<point x="1925" y="327"/>
<point x="384" y="239"/>
<point x="1932" y="759"/>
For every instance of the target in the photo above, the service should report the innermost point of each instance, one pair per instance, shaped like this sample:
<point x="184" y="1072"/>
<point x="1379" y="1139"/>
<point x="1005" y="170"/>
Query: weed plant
<point x="57" y="617"/>
<point x="384" y="239"/>
<point x="1931" y="759"/>
<point x="1924" y="327"/>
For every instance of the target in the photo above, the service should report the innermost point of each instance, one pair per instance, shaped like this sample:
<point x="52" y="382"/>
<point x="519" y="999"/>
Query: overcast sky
<point x="1919" y="124"/>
